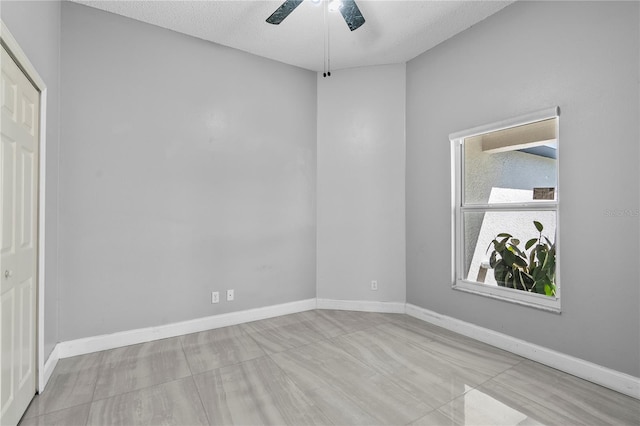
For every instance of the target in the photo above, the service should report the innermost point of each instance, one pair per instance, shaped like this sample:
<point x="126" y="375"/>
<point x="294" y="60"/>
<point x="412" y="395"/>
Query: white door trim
<point x="23" y="62"/>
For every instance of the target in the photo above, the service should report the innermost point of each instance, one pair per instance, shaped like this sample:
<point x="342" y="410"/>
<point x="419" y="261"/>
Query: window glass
<point x="507" y="165"/>
<point x="482" y="228"/>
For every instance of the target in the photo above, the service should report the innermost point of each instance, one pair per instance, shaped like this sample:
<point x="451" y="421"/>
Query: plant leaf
<point x="515" y="241"/>
<point x="500" y="272"/>
<point x="509" y="258"/>
<point x="504" y="234"/>
<point x="550" y="267"/>
<point x="532" y="259"/>
<point x="520" y="262"/>
<point x="538" y="225"/>
<point x="530" y="243"/>
<point x="516" y="250"/>
<point x="493" y="260"/>
<point x="541" y="283"/>
<point x="545" y="260"/>
<point x="536" y="272"/>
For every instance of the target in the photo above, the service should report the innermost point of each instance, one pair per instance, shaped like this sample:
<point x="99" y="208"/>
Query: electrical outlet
<point x="374" y="285"/>
<point x="215" y="296"/>
<point x="230" y="295"/>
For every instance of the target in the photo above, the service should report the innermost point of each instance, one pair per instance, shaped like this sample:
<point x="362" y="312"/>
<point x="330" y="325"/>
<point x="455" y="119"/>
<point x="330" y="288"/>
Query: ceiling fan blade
<point x="283" y="11"/>
<point x="351" y="14"/>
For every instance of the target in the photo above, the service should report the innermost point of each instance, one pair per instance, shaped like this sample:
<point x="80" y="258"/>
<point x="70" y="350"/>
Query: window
<point x="505" y="207"/>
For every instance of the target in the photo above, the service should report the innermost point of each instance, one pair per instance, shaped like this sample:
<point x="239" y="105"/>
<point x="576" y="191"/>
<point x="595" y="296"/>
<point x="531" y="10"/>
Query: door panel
<point x="19" y="134"/>
<point x="7" y="389"/>
<point x="8" y="153"/>
<point x="27" y="193"/>
<point x="26" y="363"/>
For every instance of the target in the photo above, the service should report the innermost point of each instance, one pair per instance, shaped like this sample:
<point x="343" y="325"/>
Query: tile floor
<point x="321" y="367"/>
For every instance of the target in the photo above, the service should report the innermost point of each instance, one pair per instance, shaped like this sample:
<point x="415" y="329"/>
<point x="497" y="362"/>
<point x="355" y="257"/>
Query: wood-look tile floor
<point x="321" y="367"/>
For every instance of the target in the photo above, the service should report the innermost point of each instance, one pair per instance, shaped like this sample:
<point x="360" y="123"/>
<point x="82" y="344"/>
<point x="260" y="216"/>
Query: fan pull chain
<point x="328" y="49"/>
<point x="327" y="41"/>
<point x="324" y="39"/>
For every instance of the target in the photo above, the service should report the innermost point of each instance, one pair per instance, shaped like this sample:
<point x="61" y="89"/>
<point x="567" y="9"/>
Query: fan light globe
<point x="335" y="5"/>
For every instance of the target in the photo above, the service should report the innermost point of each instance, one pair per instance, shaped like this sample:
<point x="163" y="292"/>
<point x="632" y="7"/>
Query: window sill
<point x="519" y="297"/>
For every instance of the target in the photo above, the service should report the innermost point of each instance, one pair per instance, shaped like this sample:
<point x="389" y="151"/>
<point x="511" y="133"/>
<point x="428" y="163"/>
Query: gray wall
<point x="584" y="57"/>
<point x="361" y="164"/>
<point x="186" y="167"/>
<point x="36" y="27"/>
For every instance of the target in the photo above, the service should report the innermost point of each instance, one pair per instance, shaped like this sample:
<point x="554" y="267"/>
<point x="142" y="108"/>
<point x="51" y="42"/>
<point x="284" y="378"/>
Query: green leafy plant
<point x="513" y="268"/>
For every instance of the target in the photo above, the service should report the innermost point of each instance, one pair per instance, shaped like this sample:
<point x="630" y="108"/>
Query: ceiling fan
<point x="348" y="8"/>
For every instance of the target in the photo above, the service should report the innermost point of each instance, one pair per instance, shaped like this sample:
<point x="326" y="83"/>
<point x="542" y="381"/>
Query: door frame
<point x="12" y="46"/>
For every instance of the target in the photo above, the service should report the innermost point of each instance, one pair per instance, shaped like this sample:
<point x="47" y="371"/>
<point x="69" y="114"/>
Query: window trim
<point x="520" y="297"/>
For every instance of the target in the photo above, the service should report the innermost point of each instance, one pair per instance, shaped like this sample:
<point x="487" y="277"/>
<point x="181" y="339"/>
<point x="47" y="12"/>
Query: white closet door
<point x="19" y="102"/>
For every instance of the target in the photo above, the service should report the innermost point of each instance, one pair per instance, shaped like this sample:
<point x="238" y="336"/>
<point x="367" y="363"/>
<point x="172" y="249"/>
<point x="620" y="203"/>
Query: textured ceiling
<point x="395" y="31"/>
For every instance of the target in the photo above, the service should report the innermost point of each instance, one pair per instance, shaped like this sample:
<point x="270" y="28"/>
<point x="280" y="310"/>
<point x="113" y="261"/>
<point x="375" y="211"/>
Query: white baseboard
<point x="141" y="335"/>
<point x="49" y="366"/>
<point x="362" y="306"/>
<point x="612" y="379"/>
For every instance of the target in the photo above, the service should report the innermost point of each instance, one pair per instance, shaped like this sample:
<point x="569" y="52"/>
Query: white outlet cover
<point x="230" y="295"/>
<point x="215" y="297"/>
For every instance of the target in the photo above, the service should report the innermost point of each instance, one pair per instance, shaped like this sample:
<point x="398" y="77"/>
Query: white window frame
<point x="535" y="300"/>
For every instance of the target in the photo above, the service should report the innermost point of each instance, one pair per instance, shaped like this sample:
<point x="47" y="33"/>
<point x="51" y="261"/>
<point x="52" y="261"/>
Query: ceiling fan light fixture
<point x="335" y="5"/>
